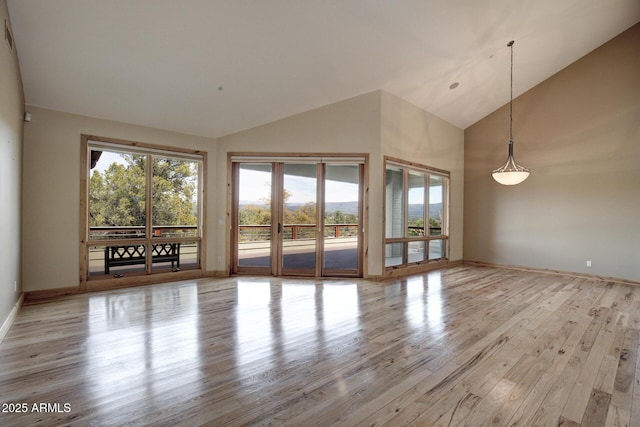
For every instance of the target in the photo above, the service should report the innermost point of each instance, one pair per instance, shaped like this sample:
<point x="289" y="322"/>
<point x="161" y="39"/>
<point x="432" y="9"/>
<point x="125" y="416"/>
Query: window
<point x="416" y="199"/>
<point x="142" y="209"/>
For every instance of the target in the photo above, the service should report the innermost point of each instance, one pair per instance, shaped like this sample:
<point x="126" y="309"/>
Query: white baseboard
<point x="11" y="317"/>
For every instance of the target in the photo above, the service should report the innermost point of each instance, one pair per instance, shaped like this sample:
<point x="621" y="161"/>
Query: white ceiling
<point x="212" y="67"/>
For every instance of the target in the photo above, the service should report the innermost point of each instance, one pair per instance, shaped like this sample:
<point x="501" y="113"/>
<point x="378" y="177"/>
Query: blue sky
<point x="258" y="187"/>
<point x="302" y="189"/>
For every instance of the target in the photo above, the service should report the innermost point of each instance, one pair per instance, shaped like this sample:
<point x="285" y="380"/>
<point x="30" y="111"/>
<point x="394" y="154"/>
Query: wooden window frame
<point x="88" y="282"/>
<point x="406" y="167"/>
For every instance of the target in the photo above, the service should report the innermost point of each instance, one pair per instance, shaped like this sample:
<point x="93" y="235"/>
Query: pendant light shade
<point x="511" y="173"/>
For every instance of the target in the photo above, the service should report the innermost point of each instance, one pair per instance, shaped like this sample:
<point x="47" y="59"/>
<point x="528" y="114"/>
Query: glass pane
<point x="342" y="194"/>
<point x="254" y="215"/>
<point x="96" y="260"/>
<point x="436" y="192"/>
<point x="189" y="255"/>
<point x="416" y="251"/>
<point x="299" y="228"/>
<point x="175" y="197"/>
<point x="394" y="202"/>
<point x="117" y="194"/>
<point x="117" y="260"/>
<point x="437" y="249"/>
<point x="416" y="204"/>
<point x="175" y="256"/>
<point x="393" y="254"/>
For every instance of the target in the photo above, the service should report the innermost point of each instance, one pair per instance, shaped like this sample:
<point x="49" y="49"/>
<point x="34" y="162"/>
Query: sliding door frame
<point x="278" y="160"/>
<point x="328" y="272"/>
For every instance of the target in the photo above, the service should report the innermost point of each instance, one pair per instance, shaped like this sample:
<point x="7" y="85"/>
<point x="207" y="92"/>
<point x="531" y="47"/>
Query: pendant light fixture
<point x="511" y="173"/>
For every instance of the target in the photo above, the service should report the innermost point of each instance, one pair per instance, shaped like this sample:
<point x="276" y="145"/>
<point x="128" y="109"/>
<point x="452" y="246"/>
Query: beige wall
<point x="51" y="176"/>
<point x="579" y="133"/>
<point x="409" y="133"/>
<point x="11" y="114"/>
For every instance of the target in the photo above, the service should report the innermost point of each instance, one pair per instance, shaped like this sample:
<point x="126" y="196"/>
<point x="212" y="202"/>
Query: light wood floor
<point x="464" y="346"/>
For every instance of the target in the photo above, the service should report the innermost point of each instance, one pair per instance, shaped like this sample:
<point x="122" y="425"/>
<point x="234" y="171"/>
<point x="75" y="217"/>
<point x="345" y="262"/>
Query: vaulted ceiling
<point x="212" y="67"/>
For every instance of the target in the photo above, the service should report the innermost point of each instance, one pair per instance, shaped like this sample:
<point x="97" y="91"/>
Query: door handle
<point x="279" y="228"/>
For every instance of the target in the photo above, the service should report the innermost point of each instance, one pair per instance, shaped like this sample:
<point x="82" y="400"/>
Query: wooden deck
<point x="463" y="346"/>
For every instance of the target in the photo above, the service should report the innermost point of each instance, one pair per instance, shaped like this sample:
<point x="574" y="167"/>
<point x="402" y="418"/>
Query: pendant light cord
<point x="510" y="44"/>
<point x="511" y="173"/>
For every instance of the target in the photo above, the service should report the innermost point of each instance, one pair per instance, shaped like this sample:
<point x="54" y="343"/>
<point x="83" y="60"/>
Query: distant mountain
<point x="251" y="203"/>
<point x="345" y="207"/>
<point x="415" y="211"/>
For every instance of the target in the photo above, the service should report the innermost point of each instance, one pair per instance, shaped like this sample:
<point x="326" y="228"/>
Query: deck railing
<point x="137" y="232"/>
<point x="256" y="232"/>
<point x="248" y="232"/>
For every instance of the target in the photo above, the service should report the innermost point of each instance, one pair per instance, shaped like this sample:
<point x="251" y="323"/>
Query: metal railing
<point x="248" y="233"/>
<point x="255" y="232"/>
<point x="138" y="232"/>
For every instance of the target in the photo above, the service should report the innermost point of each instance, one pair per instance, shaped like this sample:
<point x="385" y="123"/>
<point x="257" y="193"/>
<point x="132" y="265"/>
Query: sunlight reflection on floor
<point x="130" y="339"/>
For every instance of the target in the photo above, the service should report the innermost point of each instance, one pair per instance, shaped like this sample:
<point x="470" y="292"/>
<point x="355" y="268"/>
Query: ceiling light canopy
<point x="511" y="173"/>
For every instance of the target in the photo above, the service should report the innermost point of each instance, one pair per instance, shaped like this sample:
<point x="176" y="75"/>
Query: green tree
<point x="117" y="197"/>
<point x="174" y="186"/>
<point x="254" y="215"/>
<point x="419" y="230"/>
<point x="339" y="217"/>
<point x="305" y="214"/>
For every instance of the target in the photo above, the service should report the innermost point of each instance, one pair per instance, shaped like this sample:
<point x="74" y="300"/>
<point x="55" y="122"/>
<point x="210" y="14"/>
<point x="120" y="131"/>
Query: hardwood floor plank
<point x="368" y="414"/>
<point x="563" y="422"/>
<point x="453" y="411"/>
<point x="596" y="412"/>
<point x="617" y="417"/>
<point x="581" y="390"/>
<point x="468" y="345"/>
<point x="627" y="380"/>
<point x="431" y="403"/>
<point x="533" y="403"/>
<point x="525" y="374"/>
<point x="559" y="395"/>
<point x="483" y="412"/>
<point x="635" y="401"/>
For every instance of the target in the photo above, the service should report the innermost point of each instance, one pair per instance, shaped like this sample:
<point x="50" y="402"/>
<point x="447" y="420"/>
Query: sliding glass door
<point x="254" y="213"/>
<point x="342" y="224"/>
<point x="297" y="218"/>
